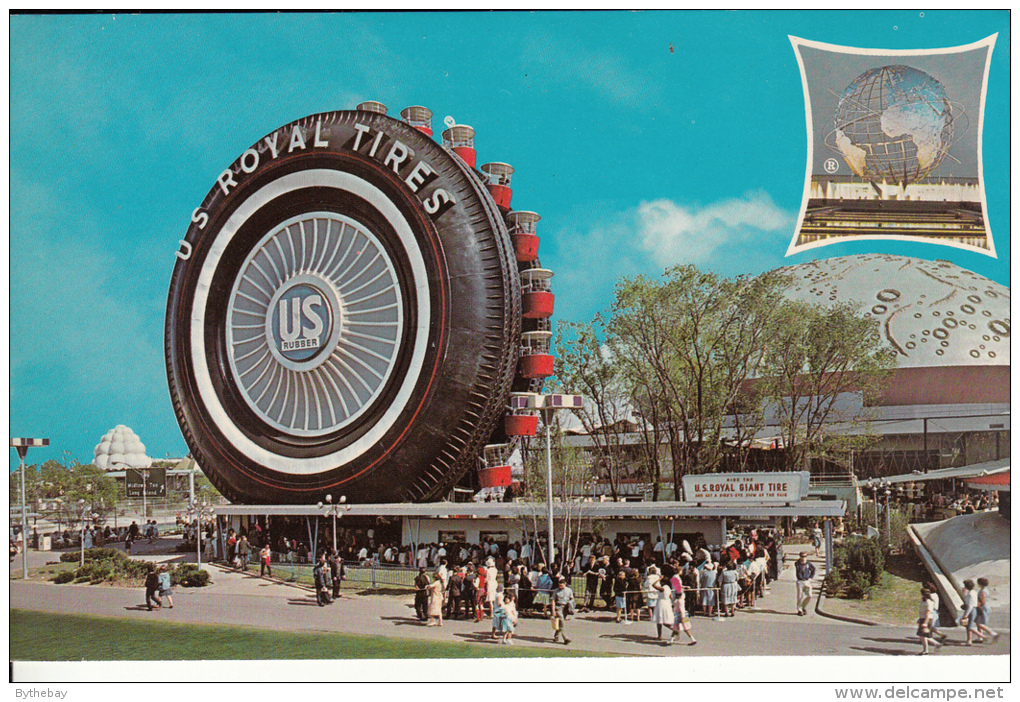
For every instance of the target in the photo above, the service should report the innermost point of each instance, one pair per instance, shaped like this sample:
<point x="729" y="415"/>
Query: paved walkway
<point x="773" y="629"/>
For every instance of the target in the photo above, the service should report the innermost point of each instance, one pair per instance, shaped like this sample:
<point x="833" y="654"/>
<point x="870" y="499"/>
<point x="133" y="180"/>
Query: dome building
<point x="947" y="404"/>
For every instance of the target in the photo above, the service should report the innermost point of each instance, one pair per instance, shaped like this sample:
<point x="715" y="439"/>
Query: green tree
<point x="67" y="487"/>
<point x="690" y="344"/>
<point x="815" y="357"/>
<point x="585" y="366"/>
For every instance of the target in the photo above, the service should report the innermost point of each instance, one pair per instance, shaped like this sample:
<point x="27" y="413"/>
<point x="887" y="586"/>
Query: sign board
<point x="154" y="480"/>
<point x="756" y="488"/>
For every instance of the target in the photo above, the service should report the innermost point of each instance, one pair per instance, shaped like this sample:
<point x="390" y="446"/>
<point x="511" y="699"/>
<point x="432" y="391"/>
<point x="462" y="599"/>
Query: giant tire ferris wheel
<point x="355" y="310"/>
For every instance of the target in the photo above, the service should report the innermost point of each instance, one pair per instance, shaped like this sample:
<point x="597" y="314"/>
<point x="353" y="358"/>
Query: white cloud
<point x="674" y="233"/>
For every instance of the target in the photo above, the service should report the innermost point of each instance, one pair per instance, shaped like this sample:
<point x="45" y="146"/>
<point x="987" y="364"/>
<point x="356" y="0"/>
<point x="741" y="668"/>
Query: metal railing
<point x="369" y="575"/>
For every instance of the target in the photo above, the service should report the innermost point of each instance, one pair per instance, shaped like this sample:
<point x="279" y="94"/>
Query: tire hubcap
<point x="314" y="324"/>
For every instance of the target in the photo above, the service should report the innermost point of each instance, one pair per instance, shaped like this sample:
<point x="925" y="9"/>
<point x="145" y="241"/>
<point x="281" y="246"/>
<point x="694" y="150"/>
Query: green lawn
<point x="38" y="636"/>
<point x="895" y="602"/>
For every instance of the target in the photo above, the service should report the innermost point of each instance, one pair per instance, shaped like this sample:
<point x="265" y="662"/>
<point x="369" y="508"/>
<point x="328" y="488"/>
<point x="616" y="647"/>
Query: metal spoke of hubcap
<point x="314" y="324"/>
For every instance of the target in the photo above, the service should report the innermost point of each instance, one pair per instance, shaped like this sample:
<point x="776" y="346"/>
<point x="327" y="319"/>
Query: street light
<point x="21" y="445"/>
<point x="198" y="509"/>
<point x="333" y="510"/>
<point x="81" y="516"/>
<point x="888" y="535"/>
<point x="549" y="403"/>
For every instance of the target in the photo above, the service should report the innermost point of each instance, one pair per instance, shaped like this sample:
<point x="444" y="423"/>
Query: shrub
<point x="94" y="554"/>
<point x="188" y="575"/>
<point x="858" y="586"/>
<point x="64" y="576"/>
<point x="857" y="566"/>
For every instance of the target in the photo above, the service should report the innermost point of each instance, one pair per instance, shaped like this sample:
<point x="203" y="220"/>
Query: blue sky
<point x="636" y="156"/>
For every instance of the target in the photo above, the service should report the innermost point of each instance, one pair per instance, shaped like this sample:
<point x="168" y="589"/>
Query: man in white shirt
<point x="526" y="553"/>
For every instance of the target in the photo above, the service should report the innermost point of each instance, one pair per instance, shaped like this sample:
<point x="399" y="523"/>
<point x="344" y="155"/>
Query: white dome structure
<point x="120" y="448"/>
<point x="949" y="326"/>
<point x="933" y="313"/>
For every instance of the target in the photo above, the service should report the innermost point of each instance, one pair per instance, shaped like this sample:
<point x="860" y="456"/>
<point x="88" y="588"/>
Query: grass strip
<point x="894" y="601"/>
<point x="42" y="636"/>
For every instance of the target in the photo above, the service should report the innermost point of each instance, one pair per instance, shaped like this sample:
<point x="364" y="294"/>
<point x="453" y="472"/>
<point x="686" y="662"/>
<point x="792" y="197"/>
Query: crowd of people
<point x="93" y="536"/>
<point x="674" y="584"/>
<point x="942" y="505"/>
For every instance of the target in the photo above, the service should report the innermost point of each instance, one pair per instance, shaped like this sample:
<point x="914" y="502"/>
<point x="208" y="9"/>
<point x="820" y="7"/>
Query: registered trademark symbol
<point x="831" y="165"/>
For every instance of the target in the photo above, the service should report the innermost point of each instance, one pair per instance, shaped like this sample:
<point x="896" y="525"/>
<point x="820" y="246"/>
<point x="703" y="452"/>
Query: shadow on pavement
<point x="307" y="602"/>
<point x="633" y="638"/>
<point x="530" y="639"/>
<point x="479" y="637"/>
<point x="404" y="621"/>
<point x="769" y="611"/>
<point x="139" y="608"/>
<point x="901" y="640"/>
<point x="881" y="651"/>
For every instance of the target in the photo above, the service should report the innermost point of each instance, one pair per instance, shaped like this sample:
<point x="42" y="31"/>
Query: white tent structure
<point x="121" y="448"/>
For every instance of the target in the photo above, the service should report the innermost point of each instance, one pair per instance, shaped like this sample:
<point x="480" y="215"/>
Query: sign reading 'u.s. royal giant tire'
<point x="343" y="316"/>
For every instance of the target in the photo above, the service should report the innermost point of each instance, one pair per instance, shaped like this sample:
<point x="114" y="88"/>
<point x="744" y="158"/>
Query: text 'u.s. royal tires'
<point x="343" y="317"/>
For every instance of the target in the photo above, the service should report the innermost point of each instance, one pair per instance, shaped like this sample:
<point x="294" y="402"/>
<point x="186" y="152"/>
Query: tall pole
<point x="22" y="450"/>
<point x="875" y="497"/>
<point x="888" y="536"/>
<point x="547" y="416"/>
<point x="332" y="512"/>
<point x="198" y="516"/>
<point x="81" y="515"/>
<point x="21" y="446"/>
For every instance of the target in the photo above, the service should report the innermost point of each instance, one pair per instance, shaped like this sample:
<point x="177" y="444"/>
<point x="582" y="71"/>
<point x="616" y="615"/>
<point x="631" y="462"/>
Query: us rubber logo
<point x="301" y="322"/>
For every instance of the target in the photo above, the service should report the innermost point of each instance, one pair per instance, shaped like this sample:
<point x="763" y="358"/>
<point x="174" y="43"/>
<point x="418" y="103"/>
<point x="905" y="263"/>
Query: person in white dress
<point x="662" y="608"/>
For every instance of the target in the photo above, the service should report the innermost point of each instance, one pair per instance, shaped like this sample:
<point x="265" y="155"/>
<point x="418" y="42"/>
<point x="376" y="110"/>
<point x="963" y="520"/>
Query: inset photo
<point x="894" y="145"/>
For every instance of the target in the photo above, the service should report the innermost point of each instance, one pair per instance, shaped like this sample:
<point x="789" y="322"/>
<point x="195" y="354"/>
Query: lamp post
<point x="81" y="516"/>
<point x="547" y="420"/>
<point x="549" y="403"/>
<point x="333" y="509"/>
<point x="21" y="445"/>
<point x="888" y="536"/>
<point x="874" y="496"/>
<point x="198" y="509"/>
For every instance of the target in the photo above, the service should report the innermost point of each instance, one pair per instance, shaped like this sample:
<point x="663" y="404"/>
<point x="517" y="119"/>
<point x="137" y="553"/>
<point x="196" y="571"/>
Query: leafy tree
<point x="690" y="345"/>
<point x="585" y="367"/>
<point x="67" y="487"/>
<point x="815" y="357"/>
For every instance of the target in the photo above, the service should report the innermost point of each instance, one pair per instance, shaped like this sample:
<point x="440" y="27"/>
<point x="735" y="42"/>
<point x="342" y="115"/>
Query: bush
<point x="857" y="566"/>
<point x="188" y="575"/>
<point x="858" y="586"/>
<point x="62" y="577"/>
<point x="94" y="554"/>
<point x="96" y="572"/>
<point x="102" y="565"/>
